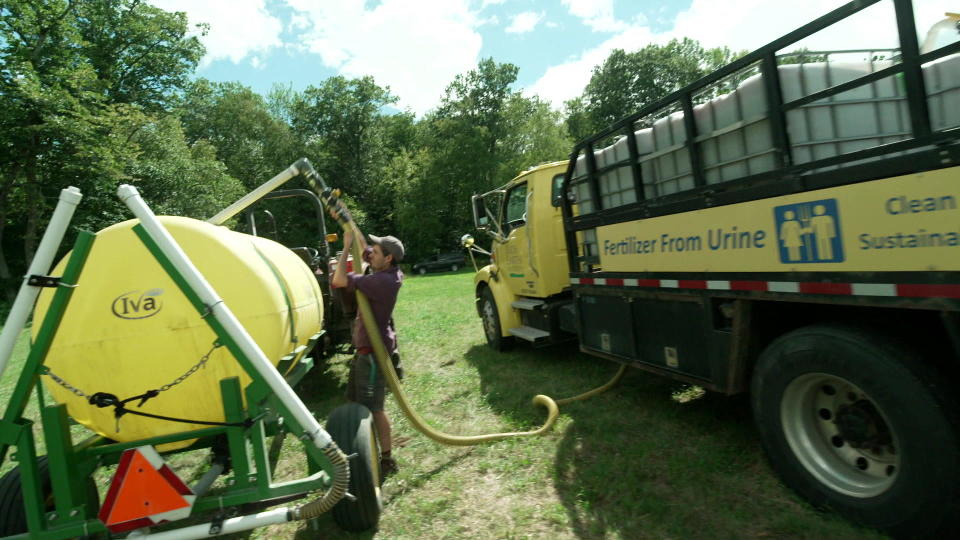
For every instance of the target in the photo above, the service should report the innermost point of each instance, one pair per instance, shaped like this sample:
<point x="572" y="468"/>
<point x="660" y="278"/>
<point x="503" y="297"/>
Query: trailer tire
<point x="490" y="318"/>
<point x="856" y="422"/>
<point x="351" y="427"/>
<point x="13" y="518"/>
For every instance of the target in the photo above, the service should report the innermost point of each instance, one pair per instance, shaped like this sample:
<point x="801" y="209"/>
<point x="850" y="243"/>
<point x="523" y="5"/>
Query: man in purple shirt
<point x="366" y="385"/>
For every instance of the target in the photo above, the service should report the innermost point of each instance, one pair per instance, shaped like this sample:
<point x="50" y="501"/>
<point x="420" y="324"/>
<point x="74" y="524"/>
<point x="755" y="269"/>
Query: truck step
<point x="527" y="303"/>
<point x="529" y="333"/>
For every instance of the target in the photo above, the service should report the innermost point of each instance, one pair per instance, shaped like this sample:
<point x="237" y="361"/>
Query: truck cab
<point x="527" y="276"/>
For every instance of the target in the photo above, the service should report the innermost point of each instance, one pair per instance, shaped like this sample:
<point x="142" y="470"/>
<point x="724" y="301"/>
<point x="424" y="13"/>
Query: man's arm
<point x="359" y="236"/>
<point x="340" y="275"/>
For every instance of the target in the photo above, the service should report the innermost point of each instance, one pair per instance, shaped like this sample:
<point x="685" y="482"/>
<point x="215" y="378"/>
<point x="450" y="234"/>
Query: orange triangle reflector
<point x="144" y="491"/>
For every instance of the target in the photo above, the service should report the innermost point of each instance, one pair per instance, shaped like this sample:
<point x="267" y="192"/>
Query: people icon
<point x="810" y="232"/>
<point x="791" y="235"/>
<point x="824" y="230"/>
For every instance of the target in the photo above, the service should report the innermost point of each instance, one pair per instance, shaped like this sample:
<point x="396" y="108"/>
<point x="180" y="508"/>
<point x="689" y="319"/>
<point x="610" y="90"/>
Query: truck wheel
<point x="13" y="518"/>
<point x="491" y="322"/>
<point x="856" y="422"/>
<point x="351" y="427"/>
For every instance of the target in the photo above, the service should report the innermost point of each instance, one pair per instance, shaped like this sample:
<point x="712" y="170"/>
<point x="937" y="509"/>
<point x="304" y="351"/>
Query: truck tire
<point x="855" y="422"/>
<point x="351" y="427"/>
<point x="13" y="518"/>
<point x="491" y="322"/>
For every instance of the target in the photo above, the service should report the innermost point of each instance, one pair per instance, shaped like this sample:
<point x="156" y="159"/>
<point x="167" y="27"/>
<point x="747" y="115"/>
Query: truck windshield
<point x="516" y="207"/>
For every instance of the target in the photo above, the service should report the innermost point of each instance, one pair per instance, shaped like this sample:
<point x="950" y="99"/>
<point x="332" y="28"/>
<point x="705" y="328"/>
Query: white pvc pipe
<point x="131" y="197"/>
<point x="232" y="525"/>
<point x="42" y="260"/>
<point x="254" y="195"/>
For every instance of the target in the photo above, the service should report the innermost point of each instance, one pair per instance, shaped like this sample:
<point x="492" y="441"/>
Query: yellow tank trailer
<point x="129" y="329"/>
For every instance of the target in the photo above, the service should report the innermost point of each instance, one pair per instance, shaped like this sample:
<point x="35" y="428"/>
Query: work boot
<point x="388" y="467"/>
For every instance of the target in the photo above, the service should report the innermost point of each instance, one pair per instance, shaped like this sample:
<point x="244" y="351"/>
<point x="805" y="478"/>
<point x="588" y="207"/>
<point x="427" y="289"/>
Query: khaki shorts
<point x="366" y="384"/>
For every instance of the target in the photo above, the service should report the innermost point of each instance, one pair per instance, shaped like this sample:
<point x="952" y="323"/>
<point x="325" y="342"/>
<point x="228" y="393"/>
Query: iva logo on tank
<point x="138" y="304"/>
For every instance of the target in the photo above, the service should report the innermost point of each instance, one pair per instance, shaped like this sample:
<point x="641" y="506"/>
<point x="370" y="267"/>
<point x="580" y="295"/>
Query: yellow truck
<point x="789" y="229"/>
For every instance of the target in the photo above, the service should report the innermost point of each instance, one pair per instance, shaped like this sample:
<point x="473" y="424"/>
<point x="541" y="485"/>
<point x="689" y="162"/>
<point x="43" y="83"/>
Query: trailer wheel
<point x="13" y="518"/>
<point x="856" y="422"/>
<point x="491" y="321"/>
<point x="351" y="427"/>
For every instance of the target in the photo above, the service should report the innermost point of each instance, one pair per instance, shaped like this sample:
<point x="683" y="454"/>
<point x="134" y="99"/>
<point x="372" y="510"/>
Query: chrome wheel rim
<point x="489" y="321"/>
<point x="840" y="435"/>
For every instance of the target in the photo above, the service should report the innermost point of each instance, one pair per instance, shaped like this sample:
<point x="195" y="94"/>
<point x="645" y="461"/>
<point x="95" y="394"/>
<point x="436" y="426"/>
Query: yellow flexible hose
<point x="598" y="390"/>
<point x="338" y="488"/>
<point x="386" y="366"/>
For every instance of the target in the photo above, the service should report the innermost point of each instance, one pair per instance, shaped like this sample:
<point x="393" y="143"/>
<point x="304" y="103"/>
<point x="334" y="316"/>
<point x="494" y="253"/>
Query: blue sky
<point x="416" y="47"/>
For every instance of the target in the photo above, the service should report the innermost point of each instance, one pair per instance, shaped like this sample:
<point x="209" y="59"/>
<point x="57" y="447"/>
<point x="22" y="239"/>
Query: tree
<point x="248" y="138"/>
<point x="344" y="129"/>
<point x="47" y="103"/>
<point x="537" y="135"/>
<point x="79" y="81"/>
<point x="482" y="134"/>
<point x="339" y="118"/>
<point x="140" y="53"/>
<point x="626" y="82"/>
<point x="175" y="176"/>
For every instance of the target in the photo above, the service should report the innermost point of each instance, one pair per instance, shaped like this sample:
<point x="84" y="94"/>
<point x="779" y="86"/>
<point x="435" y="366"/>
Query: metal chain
<point x="191" y="371"/>
<point x="65" y="384"/>
<point x="178" y="380"/>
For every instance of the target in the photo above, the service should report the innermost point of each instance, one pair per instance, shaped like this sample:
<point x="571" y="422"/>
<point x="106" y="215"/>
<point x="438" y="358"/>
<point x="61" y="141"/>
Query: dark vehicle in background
<point x="438" y="263"/>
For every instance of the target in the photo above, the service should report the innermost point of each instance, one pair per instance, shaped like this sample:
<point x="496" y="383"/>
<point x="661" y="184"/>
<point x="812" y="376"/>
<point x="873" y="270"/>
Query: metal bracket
<point x="35" y="280"/>
<point x="216" y="525"/>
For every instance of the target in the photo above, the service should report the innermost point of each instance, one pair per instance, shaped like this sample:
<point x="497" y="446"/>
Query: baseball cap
<point x="390" y="245"/>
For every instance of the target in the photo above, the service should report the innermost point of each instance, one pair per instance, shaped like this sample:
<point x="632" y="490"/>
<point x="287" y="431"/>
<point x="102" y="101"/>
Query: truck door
<point x="515" y="260"/>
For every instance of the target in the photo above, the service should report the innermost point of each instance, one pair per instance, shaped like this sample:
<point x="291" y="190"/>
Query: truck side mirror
<point x="480" y="218"/>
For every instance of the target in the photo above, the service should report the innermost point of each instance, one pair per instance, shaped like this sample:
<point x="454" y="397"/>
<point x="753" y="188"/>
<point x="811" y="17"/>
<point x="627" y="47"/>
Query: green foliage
<point x="178" y="178"/>
<point x="480" y="137"/>
<point x="140" y="53"/>
<point x="342" y="127"/>
<point x="85" y="89"/>
<point x="250" y="140"/>
<point x="626" y="82"/>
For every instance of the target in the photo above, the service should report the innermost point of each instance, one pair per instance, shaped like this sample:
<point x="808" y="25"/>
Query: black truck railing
<point x="922" y="148"/>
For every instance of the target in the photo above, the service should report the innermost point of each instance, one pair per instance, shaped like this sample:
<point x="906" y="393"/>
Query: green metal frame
<point x="70" y="465"/>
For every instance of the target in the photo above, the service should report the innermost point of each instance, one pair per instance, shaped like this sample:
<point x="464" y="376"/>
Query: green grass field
<point x="651" y="458"/>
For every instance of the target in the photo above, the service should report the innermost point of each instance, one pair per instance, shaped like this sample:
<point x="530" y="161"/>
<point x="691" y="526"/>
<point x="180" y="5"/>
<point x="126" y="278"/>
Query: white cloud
<point x="237" y="29"/>
<point x="744" y="24"/>
<point x="597" y="14"/>
<point x="491" y="3"/>
<point x="524" y="22"/>
<point x="415" y="48"/>
<point x="299" y="21"/>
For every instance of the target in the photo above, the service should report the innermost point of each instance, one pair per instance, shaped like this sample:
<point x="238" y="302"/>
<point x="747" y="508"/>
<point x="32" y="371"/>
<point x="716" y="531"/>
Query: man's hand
<point x="340" y="214"/>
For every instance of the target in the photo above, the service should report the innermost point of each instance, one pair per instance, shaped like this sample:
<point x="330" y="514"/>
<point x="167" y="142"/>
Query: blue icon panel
<point x="809" y="232"/>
